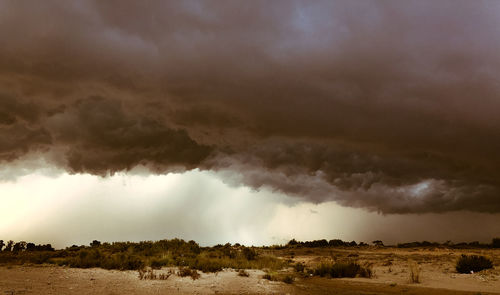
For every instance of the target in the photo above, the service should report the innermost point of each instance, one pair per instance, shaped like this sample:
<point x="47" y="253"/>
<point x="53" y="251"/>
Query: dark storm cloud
<point x="19" y="131"/>
<point x="387" y="105"/>
<point x="101" y="137"/>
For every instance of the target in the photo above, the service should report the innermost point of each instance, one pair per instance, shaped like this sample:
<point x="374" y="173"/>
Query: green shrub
<point x="473" y="263"/>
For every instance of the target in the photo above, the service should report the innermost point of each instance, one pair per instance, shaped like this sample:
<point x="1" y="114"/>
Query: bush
<point x="207" y="265"/>
<point x="285" y="278"/>
<point x="133" y="256"/>
<point x="243" y="273"/>
<point x="299" y="267"/>
<point x="342" y="270"/>
<point x="288" y="279"/>
<point x="473" y="263"/>
<point x="187" y="272"/>
<point x="249" y="253"/>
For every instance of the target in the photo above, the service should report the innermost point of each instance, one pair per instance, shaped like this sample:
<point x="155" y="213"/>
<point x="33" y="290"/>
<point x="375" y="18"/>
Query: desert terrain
<point x="391" y="267"/>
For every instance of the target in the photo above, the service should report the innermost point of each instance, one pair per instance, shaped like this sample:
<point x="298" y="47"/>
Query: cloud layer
<point x="391" y="106"/>
<point x="76" y="209"/>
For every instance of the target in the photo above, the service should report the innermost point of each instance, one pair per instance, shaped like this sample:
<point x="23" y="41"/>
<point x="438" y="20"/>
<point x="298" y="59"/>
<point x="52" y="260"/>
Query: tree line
<point x="21" y="246"/>
<point x="495" y="243"/>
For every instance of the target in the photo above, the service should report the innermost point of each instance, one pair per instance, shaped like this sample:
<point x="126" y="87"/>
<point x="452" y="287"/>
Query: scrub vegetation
<point x="134" y="256"/>
<point x="285" y="263"/>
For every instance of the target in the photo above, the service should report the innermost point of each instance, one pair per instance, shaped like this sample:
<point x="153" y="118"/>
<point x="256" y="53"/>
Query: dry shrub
<point x="288" y="279"/>
<point x="343" y="270"/>
<point x="285" y="278"/>
<point x="299" y="267"/>
<point x="473" y="263"/>
<point x="414" y="273"/>
<point x="243" y="273"/>
<point x="187" y="272"/>
<point x="149" y="274"/>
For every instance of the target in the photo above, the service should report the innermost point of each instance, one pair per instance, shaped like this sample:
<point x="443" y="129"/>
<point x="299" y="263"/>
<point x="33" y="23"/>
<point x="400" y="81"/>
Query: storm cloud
<point x="386" y="105"/>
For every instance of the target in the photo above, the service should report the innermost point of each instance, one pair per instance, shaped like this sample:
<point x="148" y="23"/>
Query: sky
<point x="249" y="121"/>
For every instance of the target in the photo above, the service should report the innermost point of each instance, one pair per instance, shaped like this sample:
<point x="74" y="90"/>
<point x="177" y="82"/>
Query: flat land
<point x="391" y="266"/>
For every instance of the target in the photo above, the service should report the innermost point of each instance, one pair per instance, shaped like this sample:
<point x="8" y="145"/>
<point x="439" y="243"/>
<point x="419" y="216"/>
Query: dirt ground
<point x="391" y="276"/>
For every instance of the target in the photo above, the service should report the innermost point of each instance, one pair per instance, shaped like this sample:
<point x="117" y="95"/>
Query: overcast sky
<point x="249" y="121"/>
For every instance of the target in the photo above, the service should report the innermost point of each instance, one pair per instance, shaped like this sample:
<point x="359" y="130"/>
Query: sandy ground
<point x="60" y="280"/>
<point x="391" y="268"/>
<point x="436" y="267"/>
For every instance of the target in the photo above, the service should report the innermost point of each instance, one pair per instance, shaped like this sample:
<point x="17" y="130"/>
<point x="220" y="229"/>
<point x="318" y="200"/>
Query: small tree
<point x="1" y="245"/>
<point x="378" y="243"/>
<point x="95" y="243"/>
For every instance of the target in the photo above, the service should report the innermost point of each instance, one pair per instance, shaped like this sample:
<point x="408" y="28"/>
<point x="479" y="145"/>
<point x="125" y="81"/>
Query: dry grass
<point x="150" y="274"/>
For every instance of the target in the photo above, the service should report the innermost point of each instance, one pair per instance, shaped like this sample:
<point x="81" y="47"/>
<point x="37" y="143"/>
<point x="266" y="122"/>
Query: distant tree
<point x="19" y="246"/>
<point x="8" y="248"/>
<point x="378" y="243"/>
<point x="495" y="243"/>
<point x="292" y="242"/>
<point x="322" y="243"/>
<point x="1" y="245"/>
<point x="95" y="243"/>
<point x="30" y="247"/>
<point x="47" y="247"/>
<point x="336" y="243"/>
